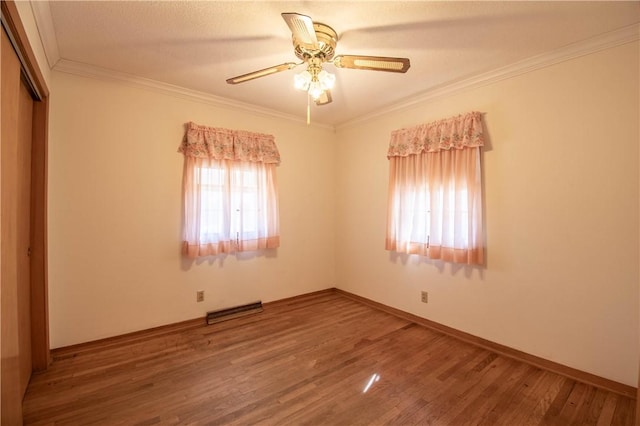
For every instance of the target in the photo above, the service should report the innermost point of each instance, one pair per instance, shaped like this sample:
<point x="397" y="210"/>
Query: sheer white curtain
<point x="229" y="191"/>
<point x="435" y="190"/>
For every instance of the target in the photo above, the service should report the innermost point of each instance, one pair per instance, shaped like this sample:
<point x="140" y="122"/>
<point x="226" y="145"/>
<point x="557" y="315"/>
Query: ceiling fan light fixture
<point x="315" y="43"/>
<point x="315" y="90"/>
<point x="327" y="80"/>
<point x="302" y="80"/>
<point x="314" y="82"/>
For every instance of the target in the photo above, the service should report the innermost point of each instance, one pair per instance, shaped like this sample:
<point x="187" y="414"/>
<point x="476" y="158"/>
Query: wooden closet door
<point x="15" y="218"/>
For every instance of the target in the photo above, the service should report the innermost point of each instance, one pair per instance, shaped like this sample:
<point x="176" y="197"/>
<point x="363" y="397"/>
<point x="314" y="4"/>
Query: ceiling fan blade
<point x="301" y="27"/>
<point x="261" y="73"/>
<point x="324" y="99"/>
<point x="374" y="63"/>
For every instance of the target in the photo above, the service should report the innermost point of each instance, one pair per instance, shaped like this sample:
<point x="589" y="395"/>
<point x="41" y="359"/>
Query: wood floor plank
<point x="307" y="361"/>
<point x="593" y="407"/>
<point x="507" y="402"/>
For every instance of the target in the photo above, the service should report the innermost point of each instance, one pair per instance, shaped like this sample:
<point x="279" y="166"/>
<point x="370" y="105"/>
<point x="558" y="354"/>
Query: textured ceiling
<point x="198" y="45"/>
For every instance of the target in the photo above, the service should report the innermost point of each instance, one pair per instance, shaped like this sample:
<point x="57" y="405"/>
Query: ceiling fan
<point x="315" y="44"/>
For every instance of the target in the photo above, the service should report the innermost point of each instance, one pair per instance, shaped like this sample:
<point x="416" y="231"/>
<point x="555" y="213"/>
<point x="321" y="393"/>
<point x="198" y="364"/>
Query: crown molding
<point x="46" y="30"/>
<point x="604" y="41"/>
<point x="91" y="71"/>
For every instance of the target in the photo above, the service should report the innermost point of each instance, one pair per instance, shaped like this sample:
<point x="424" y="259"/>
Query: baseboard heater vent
<point x="230" y="313"/>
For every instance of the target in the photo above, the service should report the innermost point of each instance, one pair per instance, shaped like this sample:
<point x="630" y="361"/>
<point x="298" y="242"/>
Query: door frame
<point x="12" y="24"/>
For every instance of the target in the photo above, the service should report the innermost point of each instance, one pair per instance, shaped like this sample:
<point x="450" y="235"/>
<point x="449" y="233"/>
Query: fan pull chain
<point x="308" y="111"/>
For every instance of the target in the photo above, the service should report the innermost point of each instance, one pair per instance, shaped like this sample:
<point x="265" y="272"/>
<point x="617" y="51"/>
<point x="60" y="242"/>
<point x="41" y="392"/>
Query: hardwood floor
<point x="307" y="362"/>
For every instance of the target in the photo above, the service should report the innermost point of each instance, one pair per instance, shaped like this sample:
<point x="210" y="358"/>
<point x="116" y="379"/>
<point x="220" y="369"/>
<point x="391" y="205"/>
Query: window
<point x="234" y="203"/>
<point x="435" y="191"/>
<point x="433" y="210"/>
<point x="230" y="205"/>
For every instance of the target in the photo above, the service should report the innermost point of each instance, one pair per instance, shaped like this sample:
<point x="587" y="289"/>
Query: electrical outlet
<point x="425" y="297"/>
<point x="200" y="296"/>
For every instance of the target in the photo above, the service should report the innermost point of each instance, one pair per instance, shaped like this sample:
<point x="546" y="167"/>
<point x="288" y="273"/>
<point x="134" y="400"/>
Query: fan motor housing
<point x="327" y="40"/>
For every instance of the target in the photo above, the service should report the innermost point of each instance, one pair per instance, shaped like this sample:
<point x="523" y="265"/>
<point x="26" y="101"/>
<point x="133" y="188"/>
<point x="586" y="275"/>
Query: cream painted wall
<point x="561" y="212"/>
<point x="561" y="189"/>
<point x="115" y="213"/>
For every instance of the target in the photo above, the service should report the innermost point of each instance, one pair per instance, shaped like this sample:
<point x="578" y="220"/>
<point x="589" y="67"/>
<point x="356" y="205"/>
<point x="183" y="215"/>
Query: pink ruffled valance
<point x="462" y="131"/>
<point x="224" y="144"/>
